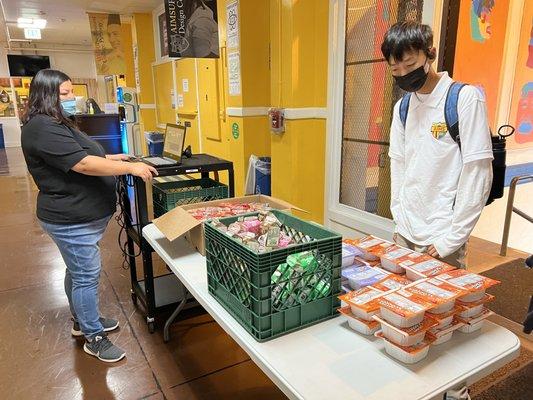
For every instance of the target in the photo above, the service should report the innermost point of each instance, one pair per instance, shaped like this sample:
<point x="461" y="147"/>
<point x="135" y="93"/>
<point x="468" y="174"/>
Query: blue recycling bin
<point x="155" y="141"/>
<point x="2" y="143"/>
<point x="263" y="183"/>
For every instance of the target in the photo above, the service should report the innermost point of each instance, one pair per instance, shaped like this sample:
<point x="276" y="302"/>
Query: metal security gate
<point x="369" y="98"/>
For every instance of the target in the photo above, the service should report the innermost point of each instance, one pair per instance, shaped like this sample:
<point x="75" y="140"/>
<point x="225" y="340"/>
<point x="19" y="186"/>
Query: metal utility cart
<point x="161" y="291"/>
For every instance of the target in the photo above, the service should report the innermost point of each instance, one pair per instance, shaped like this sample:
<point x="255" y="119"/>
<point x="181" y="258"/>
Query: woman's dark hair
<point x="44" y="97"/>
<point x="405" y="36"/>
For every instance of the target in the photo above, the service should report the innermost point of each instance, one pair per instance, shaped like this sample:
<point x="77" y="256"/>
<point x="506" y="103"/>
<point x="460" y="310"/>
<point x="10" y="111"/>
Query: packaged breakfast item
<point x="392" y="282"/>
<point x="349" y="252"/>
<point x="403" y="309"/>
<point x="358" y="324"/>
<point x="425" y="267"/>
<point x="362" y="276"/>
<point x="406" y="336"/>
<point x="475" y="323"/>
<point x="474" y="283"/>
<point x="361" y="302"/>
<point x="227" y="210"/>
<point x="370" y="246"/>
<point x="408" y="355"/>
<point x="394" y="256"/>
<point x="445" y="319"/>
<point x="474" y="308"/>
<point x="440" y="293"/>
<point x="442" y="335"/>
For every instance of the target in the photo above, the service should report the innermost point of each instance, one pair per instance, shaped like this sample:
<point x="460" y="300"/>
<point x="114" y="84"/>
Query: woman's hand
<point x="118" y="157"/>
<point x="143" y="171"/>
<point x="432" y="251"/>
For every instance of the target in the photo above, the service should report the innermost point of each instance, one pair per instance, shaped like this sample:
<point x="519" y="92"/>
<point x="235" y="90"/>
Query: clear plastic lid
<point x="468" y="280"/>
<point x="363" y="298"/>
<point x="435" y="291"/>
<point x="392" y="282"/>
<point x="405" y="303"/>
<point x="348" y="313"/>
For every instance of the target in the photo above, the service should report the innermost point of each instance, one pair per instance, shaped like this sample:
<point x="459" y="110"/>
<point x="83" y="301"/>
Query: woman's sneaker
<point x="109" y="325"/>
<point x="102" y="348"/>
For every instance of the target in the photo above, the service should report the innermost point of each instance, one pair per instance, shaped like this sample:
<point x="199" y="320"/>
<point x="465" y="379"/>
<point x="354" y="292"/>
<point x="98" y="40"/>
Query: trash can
<point x="155" y="141"/>
<point x="2" y="143"/>
<point x="262" y="176"/>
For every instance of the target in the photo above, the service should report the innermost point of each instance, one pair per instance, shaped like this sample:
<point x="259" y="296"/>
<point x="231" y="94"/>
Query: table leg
<point x="170" y="320"/>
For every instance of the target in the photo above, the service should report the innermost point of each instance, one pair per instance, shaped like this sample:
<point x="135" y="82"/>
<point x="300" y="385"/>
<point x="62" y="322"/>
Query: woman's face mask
<point x="69" y="106"/>
<point x="414" y="80"/>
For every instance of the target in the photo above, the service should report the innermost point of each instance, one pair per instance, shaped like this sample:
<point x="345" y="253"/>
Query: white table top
<point x="329" y="361"/>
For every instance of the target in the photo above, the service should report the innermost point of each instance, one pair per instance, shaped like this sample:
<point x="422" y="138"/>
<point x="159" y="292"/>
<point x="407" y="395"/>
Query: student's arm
<point x="117" y="157"/>
<point x="472" y="194"/>
<point x="397" y="156"/>
<point x="476" y="175"/>
<point x="99" y="166"/>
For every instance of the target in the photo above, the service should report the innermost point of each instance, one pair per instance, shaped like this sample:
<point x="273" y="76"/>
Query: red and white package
<point x="440" y="293"/>
<point x="392" y="282"/>
<point x="362" y="302"/>
<point x="394" y="256"/>
<point x="403" y="309"/>
<point x="475" y="284"/>
<point x="426" y="267"/>
<point x="370" y="246"/>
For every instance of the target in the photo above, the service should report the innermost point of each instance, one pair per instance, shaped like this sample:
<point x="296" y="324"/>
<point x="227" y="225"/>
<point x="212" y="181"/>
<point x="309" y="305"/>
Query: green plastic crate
<point x="240" y="279"/>
<point x="169" y="195"/>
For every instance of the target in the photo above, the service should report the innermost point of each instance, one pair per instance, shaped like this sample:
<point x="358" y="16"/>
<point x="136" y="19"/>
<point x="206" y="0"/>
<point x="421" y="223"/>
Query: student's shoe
<point x="109" y="325"/>
<point x="529" y="261"/>
<point x="102" y="348"/>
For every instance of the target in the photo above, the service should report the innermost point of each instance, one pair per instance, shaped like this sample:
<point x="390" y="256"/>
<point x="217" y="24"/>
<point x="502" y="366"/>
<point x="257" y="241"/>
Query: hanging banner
<point x="106" y="33"/>
<point x="192" y="28"/>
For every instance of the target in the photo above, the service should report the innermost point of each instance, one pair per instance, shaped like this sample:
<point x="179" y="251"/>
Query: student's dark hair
<point x="406" y="36"/>
<point x="44" y="97"/>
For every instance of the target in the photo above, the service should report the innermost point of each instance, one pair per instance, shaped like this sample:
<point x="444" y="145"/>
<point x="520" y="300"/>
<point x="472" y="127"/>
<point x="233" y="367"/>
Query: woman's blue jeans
<point x="78" y="244"/>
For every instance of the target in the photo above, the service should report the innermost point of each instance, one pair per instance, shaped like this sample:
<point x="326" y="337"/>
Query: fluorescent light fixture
<point x="32" y="33"/>
<point x="36" y="23"/>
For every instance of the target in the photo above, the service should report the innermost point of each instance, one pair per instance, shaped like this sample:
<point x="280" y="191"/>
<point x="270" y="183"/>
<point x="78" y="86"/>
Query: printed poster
<point x="106" y="33"/>
<point x="192" y="28"/>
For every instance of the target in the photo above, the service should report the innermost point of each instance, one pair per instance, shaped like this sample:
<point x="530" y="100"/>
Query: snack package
<point x="348" y="254"/>
<point x="358" y="324"/>
<point x="409" y="354"/>
<point x="438" y="292"/>
<point x="406" y="336"/>
<point x="475" y="284"/>
<point x="394" y="256"/>
<point x="444" y="334"/>
<point x="403" y="309"/>
<point x="475" y="308"/>
<point x="446" y="318"/>
<point x="475" y="323"/>
<point x="392" y="282"/>
<point x="360" y="277"/>
<point x="425" y="267"/>
<point x="371" y="247"/>
<point x="361" y="302"/>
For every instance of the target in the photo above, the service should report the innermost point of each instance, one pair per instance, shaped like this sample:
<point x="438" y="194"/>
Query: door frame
<point x="338" y="216"/>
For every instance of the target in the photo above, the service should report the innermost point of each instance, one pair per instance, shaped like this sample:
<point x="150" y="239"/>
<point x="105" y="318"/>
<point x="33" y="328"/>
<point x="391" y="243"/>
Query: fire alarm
<point x="276" y="116"/>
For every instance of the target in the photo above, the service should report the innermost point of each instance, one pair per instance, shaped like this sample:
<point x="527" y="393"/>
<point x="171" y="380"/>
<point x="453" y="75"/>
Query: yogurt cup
<point x="407" y="355"/>
<point x="357" y="324"/>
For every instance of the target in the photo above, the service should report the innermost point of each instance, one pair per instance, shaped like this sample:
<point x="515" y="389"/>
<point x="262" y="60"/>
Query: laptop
<point x="172" y="147"/>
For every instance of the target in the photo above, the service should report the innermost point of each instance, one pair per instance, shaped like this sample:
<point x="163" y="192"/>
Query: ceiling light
<point x="36" y="23"/>
<point x="32" y="33"/>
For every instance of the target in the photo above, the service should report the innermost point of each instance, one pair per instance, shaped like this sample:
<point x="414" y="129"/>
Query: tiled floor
<point x="40" y="360"/>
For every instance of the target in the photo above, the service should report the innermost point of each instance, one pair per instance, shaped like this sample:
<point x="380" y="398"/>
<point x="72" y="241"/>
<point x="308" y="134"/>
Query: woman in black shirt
<point x="76" y="199"/>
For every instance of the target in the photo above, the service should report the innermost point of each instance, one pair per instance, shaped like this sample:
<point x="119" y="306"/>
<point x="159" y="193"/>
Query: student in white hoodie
<point x="202" y="32"/>
<point x="438" y="189"/>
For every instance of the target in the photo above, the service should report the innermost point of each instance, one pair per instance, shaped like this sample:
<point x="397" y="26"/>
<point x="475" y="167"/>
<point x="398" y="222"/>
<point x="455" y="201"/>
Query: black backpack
<point x="451" y="116"/>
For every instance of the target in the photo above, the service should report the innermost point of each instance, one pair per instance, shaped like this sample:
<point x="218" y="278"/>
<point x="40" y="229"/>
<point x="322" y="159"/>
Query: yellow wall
<point x="299" y="80"/>
<point x="164" y="87"/>
<point x="281" y="70"/>
<point x="143" y="38"/>
<point x="128" y="54"/>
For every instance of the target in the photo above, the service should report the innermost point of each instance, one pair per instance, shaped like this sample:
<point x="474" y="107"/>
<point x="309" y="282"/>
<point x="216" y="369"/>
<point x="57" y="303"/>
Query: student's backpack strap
<point x="451" y="113"/>
<point x="404" y="108"/>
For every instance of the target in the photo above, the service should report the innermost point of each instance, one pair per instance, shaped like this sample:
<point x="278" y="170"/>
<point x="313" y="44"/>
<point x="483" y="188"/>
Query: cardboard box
<point x="179" y="221"/>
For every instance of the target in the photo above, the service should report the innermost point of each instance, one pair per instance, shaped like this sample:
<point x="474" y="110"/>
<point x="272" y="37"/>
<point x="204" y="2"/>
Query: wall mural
<point x="480" y="19"/>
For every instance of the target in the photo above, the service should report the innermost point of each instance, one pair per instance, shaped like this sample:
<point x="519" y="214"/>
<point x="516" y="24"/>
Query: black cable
<point x="122" y="184"/>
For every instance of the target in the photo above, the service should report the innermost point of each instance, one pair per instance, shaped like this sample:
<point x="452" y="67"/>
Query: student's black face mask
<point x="414" y="80"/>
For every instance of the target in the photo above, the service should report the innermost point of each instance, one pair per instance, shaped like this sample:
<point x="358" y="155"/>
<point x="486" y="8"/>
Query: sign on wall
<point x="192" y="28"/>
<point x="106" y="33"/>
